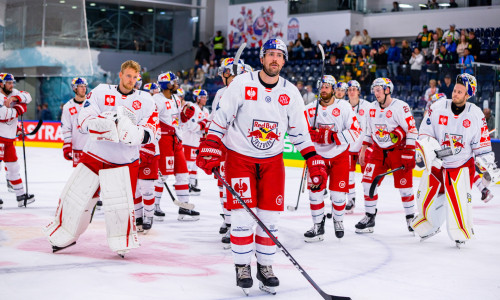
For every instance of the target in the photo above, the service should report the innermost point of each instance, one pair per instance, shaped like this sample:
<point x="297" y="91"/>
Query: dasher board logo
<point x="263" y="134"/>
<point x="382" y="134"/>
<point x="456" y="139"/>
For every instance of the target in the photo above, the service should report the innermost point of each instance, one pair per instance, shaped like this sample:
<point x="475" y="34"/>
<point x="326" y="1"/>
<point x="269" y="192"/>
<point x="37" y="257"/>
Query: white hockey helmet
<point x="78" y="81"/>
<point x="138" y="83"/>
<point x="180" y="92"/>
<point x="342" y="85"/>
<point x="274" y="44"/>
<point x="228" y="63"/>
<point x="437" y="97"/>
<point x="469" y="82"/>
<point x="354" y="83"/>
<point x="328" y="79"/>
<point x="199" y="93"/>
<point x="4" y="77"/>
<point x="166" y="79"/>
<point x="383" y="82"/>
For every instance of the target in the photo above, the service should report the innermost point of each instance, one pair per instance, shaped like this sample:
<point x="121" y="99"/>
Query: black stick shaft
<point x="25" y="169"/>
<point x="377" y="178"/>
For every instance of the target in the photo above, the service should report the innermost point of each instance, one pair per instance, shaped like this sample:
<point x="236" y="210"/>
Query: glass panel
<point x="304" y="7"/>
<point x="64" y="24"/>
<point x="102" y="25"/>
<point x="136" y="28"/>
<point x="164" y="29"/>
<point x="14" y="26"/>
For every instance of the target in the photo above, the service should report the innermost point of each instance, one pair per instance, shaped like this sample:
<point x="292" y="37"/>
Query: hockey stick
<point x="302" y="179"/>
<point x="319" y="88"/>
<point x="275" y="240"/>
<point x="237" y="58"/>
<point x="379" y="177"/>
<point x="35" y="130"/>
<point x="189" y="206"/>
<point x="25" y="170"/>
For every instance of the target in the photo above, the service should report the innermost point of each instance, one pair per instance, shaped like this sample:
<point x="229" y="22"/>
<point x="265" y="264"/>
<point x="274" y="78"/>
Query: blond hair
<point x="131" y="64"/>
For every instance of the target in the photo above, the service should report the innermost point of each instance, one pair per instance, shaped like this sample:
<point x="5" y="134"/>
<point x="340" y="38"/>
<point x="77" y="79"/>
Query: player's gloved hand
<point x="20" y="108"/>
<point x="203" y="124"/>
<point x="324" y="136"/>
<point x="408" y="157"/>
<point x="209" y="154"/>
<point x="187" y="113"/>
<point x="147" y="153"/>
<point x="317" y="171"/>
<point x="19" y="130"/>
<point x="68" y="151"/>
<point x="397" y="135"/>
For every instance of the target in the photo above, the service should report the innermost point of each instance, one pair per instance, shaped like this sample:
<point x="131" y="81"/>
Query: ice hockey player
<point x="261" y="107"/>
<point x="153" y="88"/>
<point x="13" y="104"/>
<point x="391" y="133"/>
<point x="118" y="119"/>
<point x="341" y="90"/>
<point x="458" y="127"/>
<point x="333" y="128"/>
<point x="138" y="83"/>
<point x="180" y="94"/>
<point x="193" y="130"/>
<point x="226" y="72"/>
<point x="172" y="160"/>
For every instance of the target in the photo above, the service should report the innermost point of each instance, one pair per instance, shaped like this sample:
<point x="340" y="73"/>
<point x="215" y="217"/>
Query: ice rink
<point x="185" y="260"/>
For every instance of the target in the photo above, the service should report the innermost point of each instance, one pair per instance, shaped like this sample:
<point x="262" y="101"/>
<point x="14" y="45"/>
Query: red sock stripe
<point x="159" y="189"/>
<point x="317" y="206"/>
<point x="179" y="187"/>
<point x="193" y="172"/>
<point x="137" y="200"/>
<point x="17" y="181"/>
<point x="408" y="198"/>
<point x="265" y="241"/>
<point x="339" y="208"/>
<point x="149" y="201"/>
<point x="367" y="198"/>
<point x="241" y="240"/>
<point x="350" y="186"/>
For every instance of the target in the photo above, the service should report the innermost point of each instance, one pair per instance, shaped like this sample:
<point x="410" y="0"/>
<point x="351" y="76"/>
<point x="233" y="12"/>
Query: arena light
<point x="92" y="4"/>
<point x="103" y="9"/>
<point x="150" y="10"/>
<point x="444" y="4"/>
<point x="405" y="6"/>
<point x="130" y="12"/>
<point x="422" y="5"/>
<point x="195" y="19"/>
<point x="122" y="7"/>
<point x="74" y="7"/>
<point x="62" y="1"/>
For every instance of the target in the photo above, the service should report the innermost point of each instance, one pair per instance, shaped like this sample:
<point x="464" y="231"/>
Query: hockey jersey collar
<point x="123" y="94"/>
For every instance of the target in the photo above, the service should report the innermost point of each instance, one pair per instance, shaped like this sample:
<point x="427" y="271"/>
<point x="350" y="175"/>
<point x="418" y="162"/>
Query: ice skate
<point x="244" y="278"/>
<point x="459" y="244"/>
<point x="330" y="214"/>
<point x="147" y="224"/>
<point x="122" y="253"/>
<point x="409" y="218"/>
<point x="366" y="224"/>
<point x="351" y="204"/>
<point x="315" y="234"/>
<point x="194" y="190"/>
<point x="1" y="203"/>
<point x="188" y="215"/>
<point x="57" y="249"/>
<point x="268" y="281"/>
<point x="339" y="228"/>
<point x="29" y="198"/>
<point x="423" y="238"/>
<point x="159" y="214"/>
<point x="139" y="224"/>
<point x="486" y="195"/>
<point x="224" y="227"/>
<point x="226" y="240"/>
<point x="10" y="188"/>
<point x="98" y="205"/>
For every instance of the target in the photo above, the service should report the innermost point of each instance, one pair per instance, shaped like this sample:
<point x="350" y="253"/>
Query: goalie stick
<point x="275" y="240"/>
<point x="189" y="206"/>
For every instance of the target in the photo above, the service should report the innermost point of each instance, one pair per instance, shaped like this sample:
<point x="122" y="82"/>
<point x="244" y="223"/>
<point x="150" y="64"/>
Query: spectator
<point x="416" y="62"/>
<point x="432" y="90"/>
<point x="317" y="52"/>
<point x="453" y="4"/>
<point x="381" y="62"/>
<point x="340" y="51"/>
<point x="290" y="50"/>
<point x="308" y="95"/>
<point x="405" y="56"/>
<point x="199" y="79"/>
<point x="466" y="62"/>
<point x="440" y="33"/>
<point x="298" y="48"/>
<point x="490" y="120"/>
<point x="372" y="64"/>
<point x="474" y="45"/>
<point x="45" y="114"/>
<point x="346" y="77"/>
<point x="308" y="46"/>
<point x="202" y="53"/>
<point x="197" y="65"/>
<point x="454" y="34"/>
<point x="357" y="41"/>
<point x="447" y="87"/>
<point x="191" y="75"/>
<point x="395" y="6"/>
<point x="349" y="60"/>
<point x="179" y="75"/>
<point x="448" y="61"/>
<point x="434" y="47"/>
<point x="361" y="62"/>
<point x="212" y="70"/>
<point x="328" y="48"/>
<point x="423" y="39"/>
<point x="186" y="86"/>
<point x="332" y="67"/>
<point x="205" y="66"/>
<point x="450" y="45"/>
<point x="462" y="45"/>
<point x="346" y="41"/>
<point x="219" y="44"/>
<point x="300" y="87"/>
<point x="433" y="4"/>
<point x="368" y="38"/>
<point x="363" y="68"/>
<point x="393" y="59"/>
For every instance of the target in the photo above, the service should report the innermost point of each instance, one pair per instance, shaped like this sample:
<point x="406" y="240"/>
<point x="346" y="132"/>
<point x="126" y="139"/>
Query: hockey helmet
<point x="469" y="82"/>
<point x="4" y="77"/>
<point x="199" y="93"/>
<point x="354" y="83"/>
<point x="329" y="79"/>
<point x="78" y="81"/>
<point x="274" y="44"/>
<point x="138" y="83"/>
<point x="150" y="87"/>
<point x="227" y="64"/>
<point x="437" y="97"/>
<point x="166" y="79"/>
<point x="180" y="92"/>
<point x="342" y="85"/>
<point x="383" y="82"/>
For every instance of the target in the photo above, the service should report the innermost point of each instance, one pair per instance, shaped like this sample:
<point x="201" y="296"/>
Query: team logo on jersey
<point x="485" y="137"/>
<point x="193" y="153"/>
<point x="146" y="171"/>
<point x="311" y="111"/>
<point x="241" y="186"/>
<point x="369" y="170"/>
<point x="382" y="134"/>
<point x="169" y="163"/>
<point x="268" y="99"/>
<point x="411" y="124"/>
<point x="403" y="181"/>
<point x="388" y="114"/>
<point x="279" y="200"/>
<point x="88" y="95"/>
<point x="109" y="100"/>
<point x="73" y="111"/>
<point x="263" y="134"/>
<point x="466" y="123"/>
<point x="284" y="99"/>
<point x="251" y="93"/>
<point x="443" y="120"/>
<point x="136" y="104"/>
<point x="361" y="112"/>
<point x="87" y="103"/>
<point x="372" y="113"/>
<point x="342" y="184"/>
<point x="456" y="139"/>
<point x="336" y="112"/>
<point x="168" y="105"/>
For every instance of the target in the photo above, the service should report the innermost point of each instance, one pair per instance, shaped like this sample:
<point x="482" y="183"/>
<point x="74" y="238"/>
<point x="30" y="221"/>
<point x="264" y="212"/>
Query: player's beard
<point x="269" y="72"/>
<point x="326" y="96"/>
<point x="128" y="86"/>
<point x="462" y="100"/>
<point x="5" y="90"/>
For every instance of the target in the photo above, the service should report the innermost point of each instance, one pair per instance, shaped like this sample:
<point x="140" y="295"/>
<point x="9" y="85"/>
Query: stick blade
<point x="373" y="186"/>
<point x="322" y="52"/>
<point x="291" y="208"/>
<point x="189" y="206"/>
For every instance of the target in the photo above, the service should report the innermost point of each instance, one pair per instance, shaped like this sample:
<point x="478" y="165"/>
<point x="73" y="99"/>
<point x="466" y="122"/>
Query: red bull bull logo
<point x="381" y="133"/>
<point x="263" y="134"/>
<point x="457" y="141"/>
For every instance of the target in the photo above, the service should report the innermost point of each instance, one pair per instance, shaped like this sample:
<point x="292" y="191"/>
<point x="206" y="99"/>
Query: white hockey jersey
<point x="191" y="132"/>
<point x="8" y="115"/>
<point x="361" y="110"/>
<point x="338" y="117"/>
<point x="69" y="125"/>
<point x="169" y="112"/>
<point x="467" y="132"/>
<point x="215" y="102"/>
<point x="255" y="119"/>
<point x="382" y="121"/>
<point x="107" y="98"/>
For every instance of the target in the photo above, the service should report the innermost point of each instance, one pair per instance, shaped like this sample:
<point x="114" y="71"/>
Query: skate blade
<point x="122" y="253"/>
<point x="57" y="249"/>
<point x="139" y="228"/>
<point x="21" y="203"/>
<point x="186" y="218"/>
<point x="194" y="193"/>
<point x="246" y="291"/>
<point x="314" y="239"/>
<point x="268" y="289"/>
<point x="222" y="231"/>
<point x="366" y="230"/>
<point x="158" y="218"/>
<point x="226" y="246"/>
<point x="423" y="238"/>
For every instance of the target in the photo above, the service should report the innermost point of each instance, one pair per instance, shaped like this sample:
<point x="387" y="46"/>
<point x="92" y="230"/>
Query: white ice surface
<point x="183" y="260"/>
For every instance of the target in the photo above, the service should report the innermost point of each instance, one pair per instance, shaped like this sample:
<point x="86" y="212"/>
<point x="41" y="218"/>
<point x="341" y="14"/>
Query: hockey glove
<point x="20" y="108"/>
<point x="103" y="127"/>
<point x="187" y="113"/>
<point x="317" y="171"/>
<point x="203" y="124"/>
<point x="397" y="135"/>
<point x="147" y="153"/>
<point x="19" y="130"/>
<point x="209" y="154"/>
<point x="324" y="136"/>
<point x="68" y="151"/>
<point x="408" y="157"/>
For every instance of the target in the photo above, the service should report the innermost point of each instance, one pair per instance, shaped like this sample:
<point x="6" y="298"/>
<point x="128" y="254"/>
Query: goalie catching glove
<point x="209" y="154"/>
<point x="103" y="127"/>
<point x="128" y="132"/>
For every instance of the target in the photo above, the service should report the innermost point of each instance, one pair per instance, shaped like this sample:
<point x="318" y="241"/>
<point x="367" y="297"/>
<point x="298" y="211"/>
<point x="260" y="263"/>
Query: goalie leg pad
<point x="427" y="219"/>
<point x="118" y="206"/>
<point x="75" y="207"/>
<point x="458" y="193"/>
